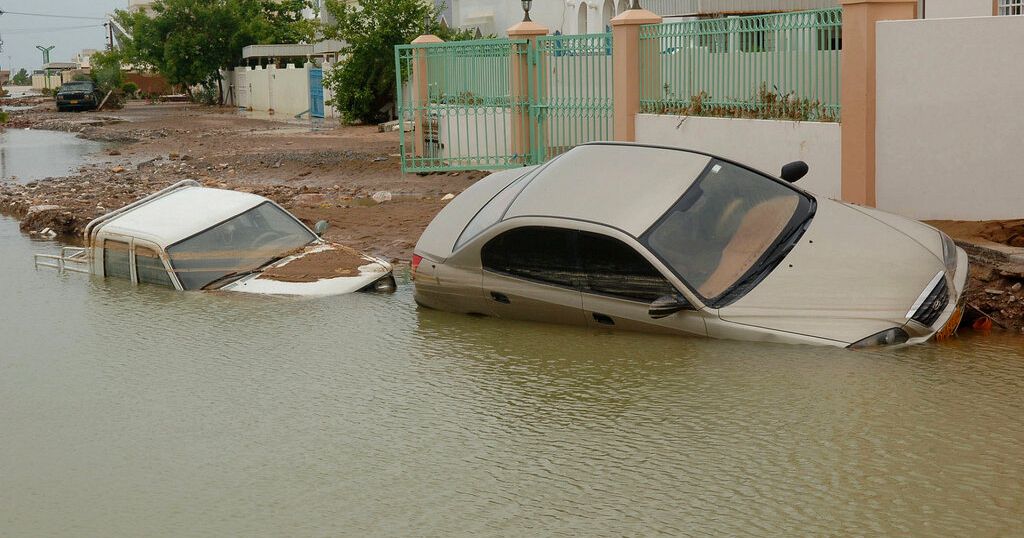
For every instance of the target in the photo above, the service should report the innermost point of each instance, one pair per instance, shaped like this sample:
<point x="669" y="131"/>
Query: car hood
<point x="850" y="276"/>
<point x="316" y="270"/>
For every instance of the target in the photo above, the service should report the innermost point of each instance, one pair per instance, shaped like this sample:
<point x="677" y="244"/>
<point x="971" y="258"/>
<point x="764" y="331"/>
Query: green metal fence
<point x="500" y="103"/>
<point x="455" y="107"/>
<point x="571" y="92"/>
<point x="781" y="66"/>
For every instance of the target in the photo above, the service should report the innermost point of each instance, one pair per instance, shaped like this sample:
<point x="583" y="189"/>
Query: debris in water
<point x="381" y="196"/>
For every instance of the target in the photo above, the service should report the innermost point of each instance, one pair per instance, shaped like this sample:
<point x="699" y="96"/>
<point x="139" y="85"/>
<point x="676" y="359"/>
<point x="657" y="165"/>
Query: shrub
<point x="130" y="89"/>
<point x="4" y="117"/>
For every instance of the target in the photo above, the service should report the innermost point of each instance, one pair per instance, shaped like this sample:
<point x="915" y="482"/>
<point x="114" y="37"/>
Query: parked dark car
<point x="81" y="95"/>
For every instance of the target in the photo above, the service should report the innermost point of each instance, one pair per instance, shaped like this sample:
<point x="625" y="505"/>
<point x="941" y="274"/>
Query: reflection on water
<point x="29" y="155"/>
<point x="137" y="411"/>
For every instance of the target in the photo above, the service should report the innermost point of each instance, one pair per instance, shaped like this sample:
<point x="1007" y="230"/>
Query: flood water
<point x="142" y="412"/>
<point x="30" y="155"/>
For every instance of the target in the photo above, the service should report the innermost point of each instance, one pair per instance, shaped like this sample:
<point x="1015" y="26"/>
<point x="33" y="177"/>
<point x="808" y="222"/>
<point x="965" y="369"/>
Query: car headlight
<point x="889" y="337"/>
<point x="949" y="255"/>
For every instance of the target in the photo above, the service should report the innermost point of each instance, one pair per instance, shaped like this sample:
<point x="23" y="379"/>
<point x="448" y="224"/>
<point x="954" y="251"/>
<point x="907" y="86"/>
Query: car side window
<point x="115" y="259"/>
<point x="611" y="267"/>
<point x="535" y="253"/>
<point x="150" y="269"/>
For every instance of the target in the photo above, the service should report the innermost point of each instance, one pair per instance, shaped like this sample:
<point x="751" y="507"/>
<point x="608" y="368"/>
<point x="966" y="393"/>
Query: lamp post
<point x="526" y="9"/>
<point x="635" y="4"/>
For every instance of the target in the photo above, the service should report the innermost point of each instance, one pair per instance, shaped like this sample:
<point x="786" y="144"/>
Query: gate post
<point x="626" y="69"/>
<point x="520" y="91"/>
<point x="420" y="94"/>
<point x="857" y="89"/>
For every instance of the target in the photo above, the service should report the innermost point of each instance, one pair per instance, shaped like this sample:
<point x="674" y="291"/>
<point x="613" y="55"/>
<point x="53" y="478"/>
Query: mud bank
<point x="327" y="174"/>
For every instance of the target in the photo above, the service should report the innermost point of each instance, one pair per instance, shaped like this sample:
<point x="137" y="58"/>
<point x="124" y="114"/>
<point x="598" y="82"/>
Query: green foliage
<point x="190" y="41"/>
<point x="767" y="104"/>
<point x="130" y="88"/>
<point x="364" y="83"/>
<point x="80" y="77"/>
<point x="22" y="78"/>
<point x="4" y="117"/>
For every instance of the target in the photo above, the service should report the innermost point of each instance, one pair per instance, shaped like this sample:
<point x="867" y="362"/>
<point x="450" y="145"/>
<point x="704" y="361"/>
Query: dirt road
<point x="330" y="173"/>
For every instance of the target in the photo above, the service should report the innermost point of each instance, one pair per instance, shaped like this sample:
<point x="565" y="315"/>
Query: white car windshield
<point x="725" y="227"/>
<point x="243" y="243"/>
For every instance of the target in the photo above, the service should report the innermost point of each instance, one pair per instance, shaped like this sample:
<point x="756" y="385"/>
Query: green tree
<point x="191" y="41"/>
<point x="22" y="78"/>
<point x="364" y="83"/>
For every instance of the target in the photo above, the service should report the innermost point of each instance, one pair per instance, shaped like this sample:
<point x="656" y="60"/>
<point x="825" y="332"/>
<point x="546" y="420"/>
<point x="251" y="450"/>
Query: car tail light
<point x="416" y="259"/>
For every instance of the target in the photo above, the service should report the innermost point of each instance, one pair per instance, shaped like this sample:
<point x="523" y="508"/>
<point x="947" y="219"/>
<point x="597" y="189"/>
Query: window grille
<point x="1011" y="7"/>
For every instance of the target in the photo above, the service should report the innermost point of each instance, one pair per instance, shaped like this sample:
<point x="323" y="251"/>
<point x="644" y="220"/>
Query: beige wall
<point x="763" y="144"/>
<point x="941" y="9"/>
<point x="39" y="81"/>
<point x="285" y="90"/>
<point x="951" y="118"/>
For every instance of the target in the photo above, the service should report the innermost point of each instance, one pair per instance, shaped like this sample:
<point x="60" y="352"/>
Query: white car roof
<point x="625" y="186"/>
<point x="181" y="214"/>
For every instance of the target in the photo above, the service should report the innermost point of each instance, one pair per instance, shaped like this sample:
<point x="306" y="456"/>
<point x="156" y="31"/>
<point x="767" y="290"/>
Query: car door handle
<point x="603" y="319"/>
<point x="500" y="297"/>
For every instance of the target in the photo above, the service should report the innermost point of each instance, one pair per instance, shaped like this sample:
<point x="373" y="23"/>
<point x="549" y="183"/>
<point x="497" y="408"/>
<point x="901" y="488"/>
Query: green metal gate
<point x="571" y="98"/>
<point x="501" y="103"/>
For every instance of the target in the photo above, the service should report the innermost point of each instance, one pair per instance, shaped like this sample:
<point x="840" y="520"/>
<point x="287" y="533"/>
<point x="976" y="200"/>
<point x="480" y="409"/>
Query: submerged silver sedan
<point x="669" y="240"/>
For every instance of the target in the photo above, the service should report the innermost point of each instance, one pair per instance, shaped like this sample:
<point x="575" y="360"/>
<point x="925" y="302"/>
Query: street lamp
<point x="526" y="9"/>
<point x="635" y="4"/>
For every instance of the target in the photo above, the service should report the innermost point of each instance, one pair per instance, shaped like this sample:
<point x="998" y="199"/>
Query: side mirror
<point x="320" y="228"/>
<point x="666" y="305"/>
<point x="795" y="170"/>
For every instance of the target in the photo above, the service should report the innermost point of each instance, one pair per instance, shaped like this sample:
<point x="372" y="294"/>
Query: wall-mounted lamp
<point x="526" y="9"/>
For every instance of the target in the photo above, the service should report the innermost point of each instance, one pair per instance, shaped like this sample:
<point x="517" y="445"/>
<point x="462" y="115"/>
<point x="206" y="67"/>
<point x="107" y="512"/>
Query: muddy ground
<point x="331" y="173"/>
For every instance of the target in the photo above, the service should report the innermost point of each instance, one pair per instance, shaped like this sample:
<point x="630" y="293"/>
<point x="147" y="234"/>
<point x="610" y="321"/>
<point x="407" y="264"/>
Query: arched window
<point x="581" y="19"/>
<point x="607" y="12"/>
<point x="623" y="6"/>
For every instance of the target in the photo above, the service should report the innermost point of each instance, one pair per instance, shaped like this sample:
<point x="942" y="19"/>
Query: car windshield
<point x="725" y="227"/>
<point x="76" y="87"/>
<point x="243" y="243"/>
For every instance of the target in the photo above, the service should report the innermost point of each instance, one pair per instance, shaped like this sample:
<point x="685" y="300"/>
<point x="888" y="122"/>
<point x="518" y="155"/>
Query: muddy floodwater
<point x="142" y="412"/>
<point x="29" y="155"/>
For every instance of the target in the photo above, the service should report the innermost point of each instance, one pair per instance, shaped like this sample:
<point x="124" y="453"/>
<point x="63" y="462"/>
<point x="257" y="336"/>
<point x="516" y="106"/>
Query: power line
<point x="51" y="15"/>
<point x="21" y="31"/>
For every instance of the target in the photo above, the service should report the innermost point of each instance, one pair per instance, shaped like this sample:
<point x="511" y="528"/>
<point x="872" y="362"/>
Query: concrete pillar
<point x="626" y="66"/>
<point x="523" y="125"/>
<point x="858" y="92"/>
<point x="420" y="94"/>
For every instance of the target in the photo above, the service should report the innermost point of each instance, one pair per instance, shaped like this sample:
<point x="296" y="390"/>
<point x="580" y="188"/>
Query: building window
<point x="1011" y="7"/>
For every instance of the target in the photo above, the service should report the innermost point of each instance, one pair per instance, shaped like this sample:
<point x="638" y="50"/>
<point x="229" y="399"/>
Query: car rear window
<point x="115" y="259"/>
<point x="491" y="212"/>
<point x="540" y="254"/>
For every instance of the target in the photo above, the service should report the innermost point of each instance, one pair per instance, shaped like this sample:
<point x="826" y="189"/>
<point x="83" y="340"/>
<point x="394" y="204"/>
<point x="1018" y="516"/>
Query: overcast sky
<point x="21" y="33"/>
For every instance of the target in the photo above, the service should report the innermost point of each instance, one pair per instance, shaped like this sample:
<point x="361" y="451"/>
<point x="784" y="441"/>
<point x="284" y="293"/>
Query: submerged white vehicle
<point x="660" y="239"/>
<point x="190" y="237"/>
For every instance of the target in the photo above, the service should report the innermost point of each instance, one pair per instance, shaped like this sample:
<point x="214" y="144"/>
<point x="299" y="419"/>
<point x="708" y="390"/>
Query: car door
<point x="532" y="273"/>
<point x="619" y="285"/>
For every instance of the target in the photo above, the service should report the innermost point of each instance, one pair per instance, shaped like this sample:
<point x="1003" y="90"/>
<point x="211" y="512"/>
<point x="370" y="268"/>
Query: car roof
<point x="180" y="214"/>
<point x="625" y="186"/>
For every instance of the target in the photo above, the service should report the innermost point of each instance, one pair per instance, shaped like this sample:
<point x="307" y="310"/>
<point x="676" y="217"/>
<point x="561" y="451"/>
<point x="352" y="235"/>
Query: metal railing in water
<point x="74" y="259"/>
<point x="779" y="66"/>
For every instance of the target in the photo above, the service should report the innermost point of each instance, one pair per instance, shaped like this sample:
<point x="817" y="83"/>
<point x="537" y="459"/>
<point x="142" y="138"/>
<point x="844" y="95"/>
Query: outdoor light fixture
<point x="526" y="9"/>
<point x="635" y="4"/>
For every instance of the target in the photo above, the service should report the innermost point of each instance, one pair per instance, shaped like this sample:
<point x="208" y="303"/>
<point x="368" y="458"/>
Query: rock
<point x="117" y="169"/>
<point x="381" y="196"/>
<point x="113" y="152"/>
<point x="186" y="157"/>
<point x="1016" y="287"/>
<point x="991" y="291"/>
<point x="379" y="159"/>
<point x="447" y="197"/>
<point x="172" y="156"/>
<point x="41" y="208"/>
